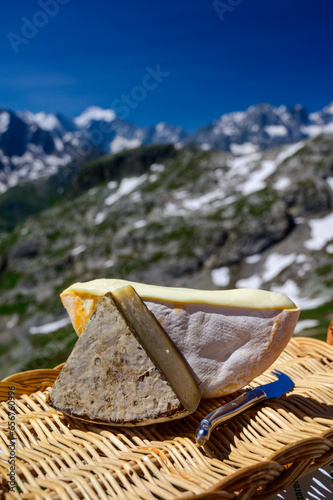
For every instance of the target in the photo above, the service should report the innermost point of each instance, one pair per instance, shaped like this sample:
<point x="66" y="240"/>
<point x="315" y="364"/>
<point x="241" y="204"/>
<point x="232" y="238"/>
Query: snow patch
<point x="329" y="248"/>
<point x="100" y="217"/>
<point x="321" y="232"/>
<point x="242" y="165"/>
<point x="329" y="181"/>
<point x="251" y="282"/>
<point x="139" y="223"/>
<point x="282" y="183"/>
<point x="225" y="201"/>
<point x="243" y="149"/>
<point x="112" y="184"/>
<point x="59" y="145"/>
<point x="172" y="210"/>
<point x="136" y="196"/>
<point x="253" y="259"/>
<point x="120" y="143"/>
<point x="221" y="276"/>
<point x="275" y="263"/>
<point x="4" y="121"/>
<point x="109" y="263"/>
<point x="192" y="204"/>
<point x="126" y="186"/>
<point x="257" y="179"/>
<point x="153" y="177"/>
<point x="305" y="323"/>
<point x="199" y="202"/>
<point x="181" y="195"/>
<point x="289" y="151"/>
<point x="160" y="127"/>
<point x="77" y="250"/>
<point x="157" y="168"/>
<point x="92" y="191"/>
<point x="276" y="130"/>
<point x="53" y="160"/>
<point x="291" y="290"/>
<point x="13" y="321"/>
<point x="306" y="265"/>
<point x="94" y="113"/>
<point x="49" y="327"/>
<point x="328" y="129"/>
<point x="46" y="121"/>
<point x="311" y="130"/>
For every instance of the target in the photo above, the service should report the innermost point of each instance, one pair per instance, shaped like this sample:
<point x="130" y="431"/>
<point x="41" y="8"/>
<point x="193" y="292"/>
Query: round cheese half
<point x="227" y="337"/>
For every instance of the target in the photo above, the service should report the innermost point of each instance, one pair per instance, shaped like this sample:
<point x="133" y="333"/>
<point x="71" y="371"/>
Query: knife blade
<point x="249" y="398"/>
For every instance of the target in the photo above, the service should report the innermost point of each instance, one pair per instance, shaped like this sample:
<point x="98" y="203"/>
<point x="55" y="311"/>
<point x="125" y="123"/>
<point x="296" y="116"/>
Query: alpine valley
<point x="246" y="201"/>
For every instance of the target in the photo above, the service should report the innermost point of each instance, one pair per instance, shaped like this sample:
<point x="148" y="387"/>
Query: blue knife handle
<point x="227" y="412"/>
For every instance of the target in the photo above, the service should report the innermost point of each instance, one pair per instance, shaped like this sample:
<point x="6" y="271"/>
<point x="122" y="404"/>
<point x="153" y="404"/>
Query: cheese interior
<point x="158" y="346"/>
<point x="110" y="378"/>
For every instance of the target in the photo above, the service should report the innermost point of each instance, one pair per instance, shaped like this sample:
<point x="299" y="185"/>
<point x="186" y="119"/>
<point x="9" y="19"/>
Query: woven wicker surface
<point x="255" y="456"/>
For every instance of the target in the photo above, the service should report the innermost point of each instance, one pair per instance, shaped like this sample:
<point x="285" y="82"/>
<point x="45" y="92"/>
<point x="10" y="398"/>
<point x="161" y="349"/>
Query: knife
<point x="239" y="405"/>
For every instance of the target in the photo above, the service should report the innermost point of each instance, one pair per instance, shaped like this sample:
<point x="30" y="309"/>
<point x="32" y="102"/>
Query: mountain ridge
<point x="40" y="144"/>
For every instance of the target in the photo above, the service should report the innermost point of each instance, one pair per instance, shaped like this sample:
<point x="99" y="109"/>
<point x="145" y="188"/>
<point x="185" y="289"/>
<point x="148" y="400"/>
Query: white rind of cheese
<point x="227" y="337"/>
<point x="226" y="349"/>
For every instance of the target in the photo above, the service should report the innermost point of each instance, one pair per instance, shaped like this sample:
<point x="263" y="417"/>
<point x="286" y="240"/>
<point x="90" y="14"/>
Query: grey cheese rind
<point x="110" y="378"/>
<point x="159" y="346"/>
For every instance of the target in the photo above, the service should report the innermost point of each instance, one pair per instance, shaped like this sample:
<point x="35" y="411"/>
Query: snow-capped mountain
<point x="38" y="145"/>
<point x="32" y="146"/>
<point x="259" y="127"/>
<point x="107" y="130"/>
<point x="323" y="117"/>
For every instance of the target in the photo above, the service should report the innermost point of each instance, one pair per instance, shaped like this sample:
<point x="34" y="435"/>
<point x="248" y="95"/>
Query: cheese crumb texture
<point x="110" y="378"/>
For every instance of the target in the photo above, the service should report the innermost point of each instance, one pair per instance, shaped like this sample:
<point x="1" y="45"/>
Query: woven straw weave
<point x="255" y="456"/>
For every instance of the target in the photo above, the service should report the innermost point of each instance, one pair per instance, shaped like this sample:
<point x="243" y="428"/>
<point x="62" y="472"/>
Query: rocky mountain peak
<point x="38" y="144"/>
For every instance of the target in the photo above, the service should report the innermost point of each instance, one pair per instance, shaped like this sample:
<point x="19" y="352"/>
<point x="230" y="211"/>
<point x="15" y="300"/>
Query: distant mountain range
<point x="38" y="145"/>
<point x="165" y="215"/>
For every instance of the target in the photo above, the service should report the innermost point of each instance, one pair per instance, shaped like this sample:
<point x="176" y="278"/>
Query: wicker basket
<point x="255" y="456"/>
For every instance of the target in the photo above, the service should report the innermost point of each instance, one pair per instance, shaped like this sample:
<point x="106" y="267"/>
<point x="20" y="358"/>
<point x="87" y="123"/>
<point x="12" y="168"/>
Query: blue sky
<point x="85" y="53"/>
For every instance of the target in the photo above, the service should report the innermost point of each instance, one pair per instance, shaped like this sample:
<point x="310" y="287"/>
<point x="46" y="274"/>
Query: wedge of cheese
<point x="227" y="337"/>
<point x="124" y="369"/>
